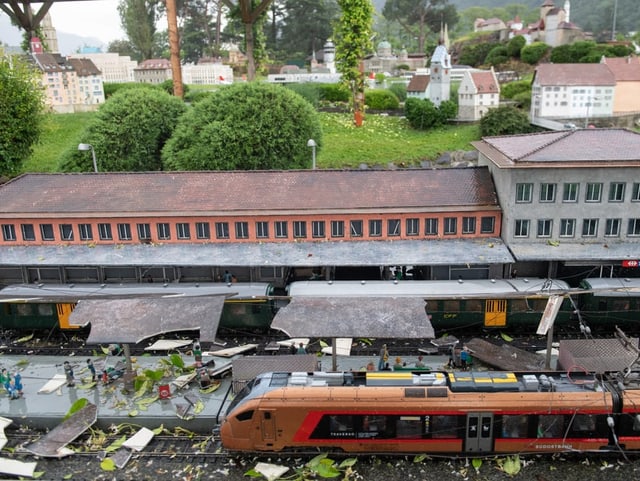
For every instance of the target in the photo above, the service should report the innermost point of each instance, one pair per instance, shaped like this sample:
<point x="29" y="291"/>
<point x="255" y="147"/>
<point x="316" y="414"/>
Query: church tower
<point x="440" y="81"/>
<point x="49" y="33"/>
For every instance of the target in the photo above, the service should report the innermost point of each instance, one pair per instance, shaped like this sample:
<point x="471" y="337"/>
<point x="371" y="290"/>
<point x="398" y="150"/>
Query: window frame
<point x="104" y="231"/>
<point x="222" y="230"/>
<point x="124" y="231"/>
<point x="524" y="192"/>
<point x="203" y="230"/>
<point x="242" y="229"/>
<point x="547" y="192"/>
<point x="318" y="229"/>
<point x="612" y="227"/>
<point x="450" y="226"/>
<point x="412" y="226"/>
<point x="564" y="225"/>
<point x="468" y="225"/>
<point x="589" y="225"/>
<point x="394" y="229"/>
<point x="593" y="192"/>
<point x="143" y="230"/>
<point x="521" y="228"/>
<point x="617" y="191"/>
<point x="483" y="227"/>
<point x="281" y="229"/>
<point x="9" y="232"/>
<point x="356" y="228"/>
<point x="431" y="226"/>
<point x="164" y="230"/>
<point x="66" y="232"/>
<point x="183" y="231"/>
<point x="46" y="232"/>
<point x="262" y="229"/>
<point x="375" y="227"/>
<point x="85" y="231"/>
<point x="337" y="228"/>
<point x="300" y="229"/>
<point x="571" y="192"/>
<point x="545" y="228"/>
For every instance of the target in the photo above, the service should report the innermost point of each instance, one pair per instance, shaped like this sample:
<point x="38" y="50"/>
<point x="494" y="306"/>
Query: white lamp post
<point x="589" y="104"/>
<point x="93" y="154"/>
<point x="312" y="143"/>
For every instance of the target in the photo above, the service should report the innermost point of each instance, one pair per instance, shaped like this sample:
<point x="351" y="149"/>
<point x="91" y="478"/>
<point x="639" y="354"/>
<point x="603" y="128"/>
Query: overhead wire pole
<point x="174" y="47"/>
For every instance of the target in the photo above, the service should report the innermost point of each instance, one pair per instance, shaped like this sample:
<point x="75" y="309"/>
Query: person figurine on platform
<point x="371" y="366"/>
<point x="197" y="351"/>
<point x="68" y="371"/>
<point x="420" y="362"/>
<point x="464" y="358"/>
<point x="384" y="356"/>
<point x="5" y="378"/>
<point x="301" y="349"/>
<point x="92" y="370"/>
<point x="399" y="364"/>
<point x="17" y="382"/>
<point x="11" y="389"/>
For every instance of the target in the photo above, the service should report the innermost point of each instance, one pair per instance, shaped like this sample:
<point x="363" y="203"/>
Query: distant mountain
<point x="68" y="43"/>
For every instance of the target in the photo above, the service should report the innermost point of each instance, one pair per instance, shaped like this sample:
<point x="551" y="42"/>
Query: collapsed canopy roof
<point x="396" y="317"/>
<point x="135" y="319"/>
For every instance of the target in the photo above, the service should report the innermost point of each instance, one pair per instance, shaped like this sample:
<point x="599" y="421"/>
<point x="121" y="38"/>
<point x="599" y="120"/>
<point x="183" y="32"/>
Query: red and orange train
<point x="447" y="413"/>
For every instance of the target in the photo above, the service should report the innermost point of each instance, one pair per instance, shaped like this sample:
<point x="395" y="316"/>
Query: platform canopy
<point x="130" y="321"/>
<point x="333" y="317"/>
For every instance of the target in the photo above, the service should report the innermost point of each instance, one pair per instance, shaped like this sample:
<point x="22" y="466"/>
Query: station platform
<point x="47" y="399"/>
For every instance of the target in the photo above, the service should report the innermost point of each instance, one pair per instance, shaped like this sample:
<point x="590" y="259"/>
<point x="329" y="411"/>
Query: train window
<point x="518" y="305"/>
<point x="411" y="426"/>
<point x="444" y="426"/>
<point x="583" y="424"/>
<point x="451" y="306"/>
<point x="45" y="309"/>
<point x="24" y="309"/>
<point x="515" y="426"/>
<point x="474" y="305"/>
<point x="550" y="426"/>
<point x="245" y="415"/>
<point x="373" y="427"/>
<point x="620" y="304"/>
<point x="341" y="426"/>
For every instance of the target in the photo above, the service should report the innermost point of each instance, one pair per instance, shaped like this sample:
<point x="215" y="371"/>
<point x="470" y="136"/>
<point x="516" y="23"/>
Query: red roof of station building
<point x="559" y="74"/>
<point x="259" y="192"/>
<point x="624" y="69"/>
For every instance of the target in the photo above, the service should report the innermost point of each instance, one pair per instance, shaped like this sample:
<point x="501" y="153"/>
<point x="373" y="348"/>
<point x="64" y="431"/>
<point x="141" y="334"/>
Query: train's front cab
<point x="246" y="427"/>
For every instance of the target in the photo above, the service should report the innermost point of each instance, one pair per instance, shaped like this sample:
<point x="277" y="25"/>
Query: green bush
<point x="504" y="121"/>
<point x="381" y="100"/>
<point x="113" y="88"/>
<point x="399" y="89"/>
<point x="532" y="54"/>
<point x="497" y="56"/>
<point x="509" y="90"/>
<point x="475" y="54"/>
<point x="515" y="46"/>
<point x="128" y="132"/>
<point x="420" y="113"/>
<point x="334" y="93"/>
<point x="245" y="126"/>
<point x="308" y="91"/>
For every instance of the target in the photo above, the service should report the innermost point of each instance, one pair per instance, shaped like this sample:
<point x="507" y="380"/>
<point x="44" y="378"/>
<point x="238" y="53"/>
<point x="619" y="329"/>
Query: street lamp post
<point x="93" y="154"/>
<point x="312" y="143"/>
<point x="589" y="104"/>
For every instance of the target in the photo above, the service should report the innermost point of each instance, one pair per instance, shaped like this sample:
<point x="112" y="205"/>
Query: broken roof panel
<point x="133" y="320"/>
<point x="389" y="317"/>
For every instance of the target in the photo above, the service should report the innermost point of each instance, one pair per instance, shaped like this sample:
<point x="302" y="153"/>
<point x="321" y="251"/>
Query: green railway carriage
<point x="47" y="306"/>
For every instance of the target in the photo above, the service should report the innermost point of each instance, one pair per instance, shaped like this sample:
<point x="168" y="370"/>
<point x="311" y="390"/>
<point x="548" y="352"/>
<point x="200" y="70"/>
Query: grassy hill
<point x="382" y="140"/>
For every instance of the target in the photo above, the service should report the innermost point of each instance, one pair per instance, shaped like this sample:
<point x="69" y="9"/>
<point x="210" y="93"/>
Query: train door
<point x="64" y="311"/>
<point x="479" y="432"/>
<point x="268" y="427"/>
<point x="495" y="313"/>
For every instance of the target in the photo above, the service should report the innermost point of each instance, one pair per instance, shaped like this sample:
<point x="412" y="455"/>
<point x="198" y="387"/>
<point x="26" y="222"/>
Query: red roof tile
<point x="558" y="74"/>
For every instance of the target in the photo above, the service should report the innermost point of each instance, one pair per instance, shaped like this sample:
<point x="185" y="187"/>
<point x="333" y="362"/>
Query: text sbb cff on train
<point x="516" y="304"/>
<point x="446" y="413"/>
<point x="44" y="306"/>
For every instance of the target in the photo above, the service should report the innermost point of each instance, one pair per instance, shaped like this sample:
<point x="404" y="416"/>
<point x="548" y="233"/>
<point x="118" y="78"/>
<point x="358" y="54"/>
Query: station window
<point x="299" y="229"/>
<point x="431" y="227"/>
<point x="317" y="228"/>
<point x="545" y="227"/>
<point x="635" y="192"/>
<point x="203" y="230"/>
<point x="8" y="232"/>
<point x="522" y="228"/>
<point x="612" y="228"/>
<point x="589" y="227"/>
<point x="450" y="225"/>
<point x="413" y="227"/>
<point x="262" y="230"/>
<point x="280" y="227"/>
<point x="570" y="192"/>
<point x="183" y="231"/>
<point x="104" y="231"/>
<point x="355" y="228"/>
<point x="487" y="225"/>
<point x="86" y="232"/>
<point x="393" y="227"/>
<point x="124" y="232"/>
<point x="616" y="191"/>
<point x="375" y="228"/>
<point x="634" y="228"/>
<point x="144" y="232"/>
<point x="46" y="231"/>
<point x="164" y="231"/>
<point x="594" y="192"/>
<point x="222" y="230"/>
<point x="468" y="225"/>
<point x="66" y="232"/>
<point x="567" y="227"/>
<point x="547" y="192"/>
<point x="242" y="230"/>
<point x="524" y="192"/>
<point x="337" y="228"/>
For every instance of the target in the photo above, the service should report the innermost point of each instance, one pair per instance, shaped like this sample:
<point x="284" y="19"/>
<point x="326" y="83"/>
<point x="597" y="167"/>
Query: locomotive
<point x="448" y="413"/>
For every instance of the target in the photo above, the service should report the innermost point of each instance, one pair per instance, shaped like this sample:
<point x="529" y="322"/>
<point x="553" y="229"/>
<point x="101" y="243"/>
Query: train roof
<point x="75" y="292"/>
<point x="612" y="286"/>
<point x="467" y="288"/>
